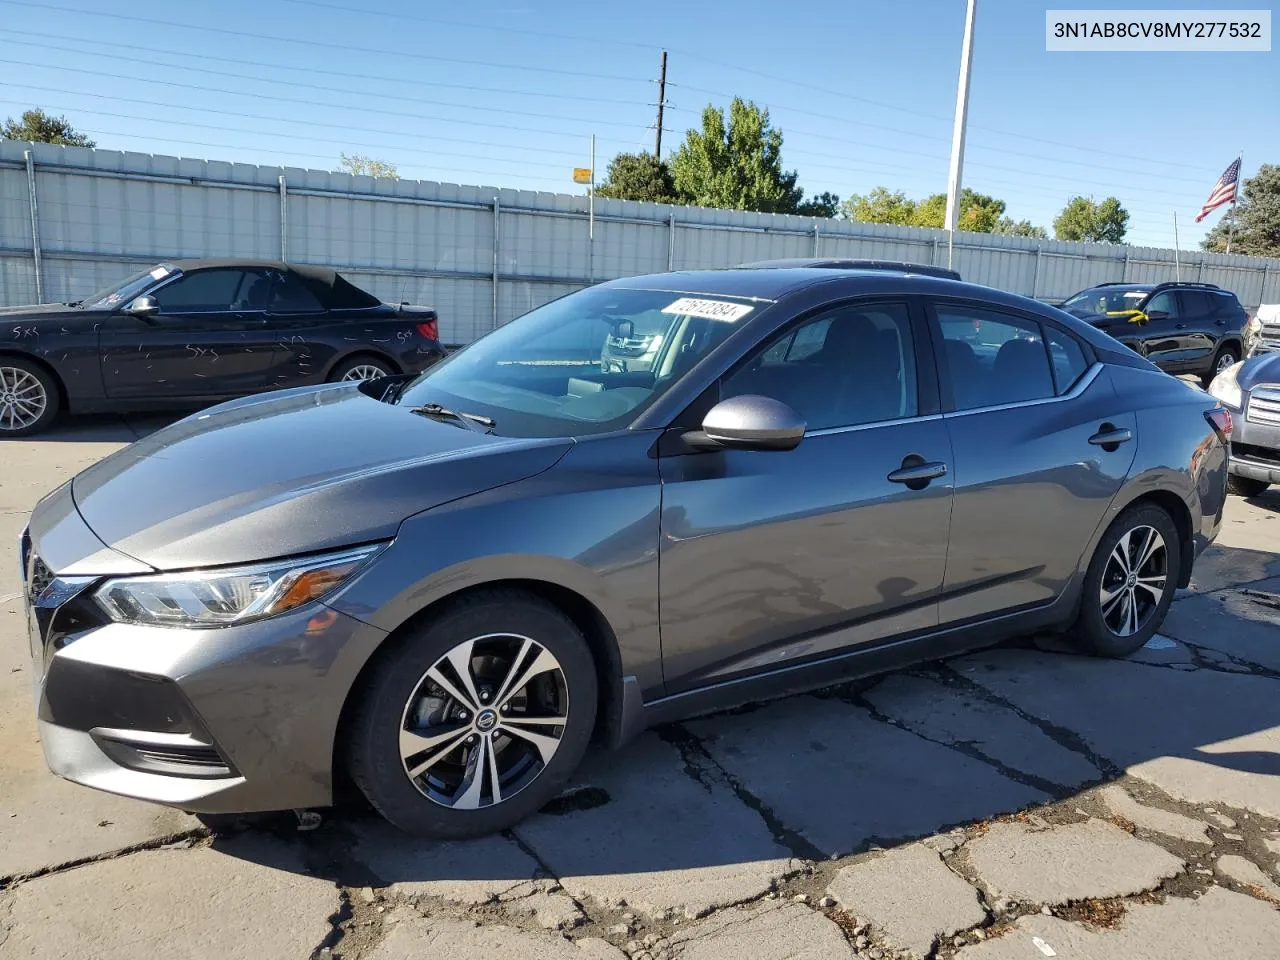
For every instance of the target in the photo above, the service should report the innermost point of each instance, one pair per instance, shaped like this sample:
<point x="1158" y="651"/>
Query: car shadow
<point x="104" y="428"/>
<point x="723" y="806"/>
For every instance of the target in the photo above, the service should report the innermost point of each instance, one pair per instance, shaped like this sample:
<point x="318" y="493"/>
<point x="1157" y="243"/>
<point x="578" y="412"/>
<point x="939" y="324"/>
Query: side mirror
<point x="1157" y="315"/>
<point x="749" y="423"/>
<point x="143" y="308"/>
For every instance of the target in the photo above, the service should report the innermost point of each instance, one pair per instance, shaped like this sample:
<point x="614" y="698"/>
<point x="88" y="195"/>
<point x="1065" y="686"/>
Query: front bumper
<point x="1255" y="448"/>
<point x="225" y="720"/>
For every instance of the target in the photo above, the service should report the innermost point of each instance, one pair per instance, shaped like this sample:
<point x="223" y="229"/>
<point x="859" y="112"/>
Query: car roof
<point x="774" y="284"/>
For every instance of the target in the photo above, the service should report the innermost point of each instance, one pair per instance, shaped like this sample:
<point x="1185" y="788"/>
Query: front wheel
<point x="476" y="718"/>
<point x="1246" y="486"/>
<point x="1130" y="583"/>
<point x="28" y="397"/>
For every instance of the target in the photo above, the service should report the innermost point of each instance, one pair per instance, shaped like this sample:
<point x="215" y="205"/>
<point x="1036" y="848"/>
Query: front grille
<point x="1264" y="404"/>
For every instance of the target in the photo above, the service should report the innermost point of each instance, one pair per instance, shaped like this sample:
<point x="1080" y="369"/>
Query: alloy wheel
<point x="484" y="721"/>
<point x="364" y="371"/>
<point x="1134" y="580"/>
<point x="1225" y="359"/>
<point x="23" y="400"/>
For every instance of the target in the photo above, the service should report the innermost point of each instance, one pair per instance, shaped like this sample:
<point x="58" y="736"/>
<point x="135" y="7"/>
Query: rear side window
<point x="992" y="358"/>
<point x="1066" y="359"/>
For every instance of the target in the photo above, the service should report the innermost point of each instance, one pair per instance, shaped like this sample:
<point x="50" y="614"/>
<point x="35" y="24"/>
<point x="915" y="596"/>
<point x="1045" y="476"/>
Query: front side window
<point x="1163" y="302"/>
<point x="212" y="291"/>
<point x="586" y="363"/>
<point x="992" y="358"/>
<point x="845" y="367"/>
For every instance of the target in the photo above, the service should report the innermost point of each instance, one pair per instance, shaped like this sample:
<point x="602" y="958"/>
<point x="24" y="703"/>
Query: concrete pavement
<point x="1022" y="802"/>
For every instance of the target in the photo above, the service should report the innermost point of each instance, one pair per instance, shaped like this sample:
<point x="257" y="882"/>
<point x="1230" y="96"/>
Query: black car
<point x="1195" y="328"/>
<point x="189" y="333"/>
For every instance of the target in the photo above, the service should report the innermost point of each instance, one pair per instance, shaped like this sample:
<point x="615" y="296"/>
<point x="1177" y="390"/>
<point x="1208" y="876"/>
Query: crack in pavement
<point x="965" y="748"/>
<point x="696" y="756"/>
<point x="1064" y="737"/>
<point x="155" y="843"/>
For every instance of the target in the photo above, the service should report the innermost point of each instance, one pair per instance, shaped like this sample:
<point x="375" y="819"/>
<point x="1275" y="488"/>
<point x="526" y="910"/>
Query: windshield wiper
<point x="472" y="421"/>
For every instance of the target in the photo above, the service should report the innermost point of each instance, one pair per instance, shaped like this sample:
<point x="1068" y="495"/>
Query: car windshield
<point x="126" y="289"/>
<point x="1102" y="300"/>
<point x="558" y="371"/>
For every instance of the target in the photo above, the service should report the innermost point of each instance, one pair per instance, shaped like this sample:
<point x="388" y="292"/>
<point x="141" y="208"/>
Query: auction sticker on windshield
<point x="709" y="309"/>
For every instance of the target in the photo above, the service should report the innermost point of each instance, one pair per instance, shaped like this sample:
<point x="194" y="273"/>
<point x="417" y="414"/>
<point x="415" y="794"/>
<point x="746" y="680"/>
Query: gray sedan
<point x="444" y="586"/>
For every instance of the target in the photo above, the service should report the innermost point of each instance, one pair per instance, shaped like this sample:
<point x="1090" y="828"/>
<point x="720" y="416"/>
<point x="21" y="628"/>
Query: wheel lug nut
<point x="462" y="716"/>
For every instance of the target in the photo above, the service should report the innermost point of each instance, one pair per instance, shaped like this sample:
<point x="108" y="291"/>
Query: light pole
<point x="957" y="134"/>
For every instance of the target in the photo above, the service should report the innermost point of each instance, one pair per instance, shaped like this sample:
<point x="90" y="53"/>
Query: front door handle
<point x="916" y="472"/>
<point x="1109" y="437"/>
<point x="1181" y="326"/>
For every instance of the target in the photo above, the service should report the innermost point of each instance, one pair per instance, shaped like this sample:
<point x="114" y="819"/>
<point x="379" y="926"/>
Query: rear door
<point x="304" y="332"/>
<point x="773" y="558"/>
<point x="208" y="339"/>
<point x="1195" y="328"/>
<point x="1040" y="445"/>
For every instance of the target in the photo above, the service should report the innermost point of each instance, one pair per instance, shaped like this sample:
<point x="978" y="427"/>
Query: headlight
<point x="215" y="598"/>
<point x="1226" y="387"/>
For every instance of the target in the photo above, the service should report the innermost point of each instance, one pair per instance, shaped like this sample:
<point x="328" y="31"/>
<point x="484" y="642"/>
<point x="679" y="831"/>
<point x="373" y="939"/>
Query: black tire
<point x="1229" y="351"/>
<point x="361" y="360"/>
<point x="1092" y="632"/>
<point x="393" y="684"/>
<point x="1246" y="486"/>
<point x="16" y="384"/>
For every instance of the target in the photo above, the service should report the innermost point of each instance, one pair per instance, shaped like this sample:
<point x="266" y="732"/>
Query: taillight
<point x="430" y="330"/>
<point x="1220" y="419"/>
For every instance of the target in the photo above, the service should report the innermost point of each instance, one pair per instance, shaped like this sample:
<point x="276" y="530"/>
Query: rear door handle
<point x="916" y="472"/>
<point x="1109" y="437"/>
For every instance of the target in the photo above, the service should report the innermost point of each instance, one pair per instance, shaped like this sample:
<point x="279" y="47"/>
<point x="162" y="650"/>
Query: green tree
<point x="361" y="166"/>
<point x="979" y="213"/>
<point x="735" y="166"/>
<point x="1257" y="218"/>
<point x="36" y="126"/>
<point x="1083" y="219"/>
<point x="1020" y="228"/>
<point x="880" y="206"/>
<point x="822" y="205"/>
<point x="638" y="176"/>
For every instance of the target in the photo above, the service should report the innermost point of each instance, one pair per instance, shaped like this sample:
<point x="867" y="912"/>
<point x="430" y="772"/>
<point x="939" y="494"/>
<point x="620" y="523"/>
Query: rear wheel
<point x="1246" y="486"/>
<point x="28" y="397"/>
<point x="476" y="719"/>
<point x="363" y="367"/>
<point x="1226" y="357"/>
<point x="1130" y="583"/>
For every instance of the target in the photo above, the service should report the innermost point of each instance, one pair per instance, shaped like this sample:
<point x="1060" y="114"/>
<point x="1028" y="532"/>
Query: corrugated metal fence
<point x="73" y="220"/>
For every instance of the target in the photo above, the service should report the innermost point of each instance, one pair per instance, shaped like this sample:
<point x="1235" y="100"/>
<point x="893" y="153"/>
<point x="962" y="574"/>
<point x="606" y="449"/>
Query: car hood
<point x="290" y="472"/>
<point x="1264" y="368"/>
<point x="38" y="311"/>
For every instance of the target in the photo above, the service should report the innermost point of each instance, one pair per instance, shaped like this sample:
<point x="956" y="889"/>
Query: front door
<point x="1028" y="414"/>
<point x="772" y="558"/>
<point x="208" y="339"/>
<point x="1160" y="336"/>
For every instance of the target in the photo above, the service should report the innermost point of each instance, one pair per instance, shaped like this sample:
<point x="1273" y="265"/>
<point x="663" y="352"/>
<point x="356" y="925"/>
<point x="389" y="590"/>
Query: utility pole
<point x="662" y="102"/>
<point x="957" y="135"/>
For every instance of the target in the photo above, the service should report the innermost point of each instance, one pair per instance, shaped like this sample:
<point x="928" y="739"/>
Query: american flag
<point x="1224" y="191"/>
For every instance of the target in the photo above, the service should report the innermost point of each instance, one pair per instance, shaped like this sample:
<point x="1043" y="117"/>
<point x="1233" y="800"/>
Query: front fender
<point x="588" y="525"/>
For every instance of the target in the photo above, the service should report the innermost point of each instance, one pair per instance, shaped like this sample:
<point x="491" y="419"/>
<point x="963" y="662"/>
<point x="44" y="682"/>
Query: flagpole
<point x="1231" y="227"/>
<point x="1177" y="261"/>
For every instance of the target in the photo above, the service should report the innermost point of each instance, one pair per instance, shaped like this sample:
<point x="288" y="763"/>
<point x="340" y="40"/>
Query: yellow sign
<point x="581" y="174"/>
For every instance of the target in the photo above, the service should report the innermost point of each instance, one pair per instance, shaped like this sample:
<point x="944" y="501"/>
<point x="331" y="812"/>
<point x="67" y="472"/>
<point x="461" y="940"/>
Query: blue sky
<point x="508" y="92"/>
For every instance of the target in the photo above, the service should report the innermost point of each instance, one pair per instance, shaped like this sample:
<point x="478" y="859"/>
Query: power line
<point x="377" y="78"/>
<point x="362" y="109"/>
<point x="344" y="47"/>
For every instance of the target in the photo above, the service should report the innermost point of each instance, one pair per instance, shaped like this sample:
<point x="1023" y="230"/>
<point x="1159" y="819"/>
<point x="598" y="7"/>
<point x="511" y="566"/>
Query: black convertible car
<point x="189" y="333"/>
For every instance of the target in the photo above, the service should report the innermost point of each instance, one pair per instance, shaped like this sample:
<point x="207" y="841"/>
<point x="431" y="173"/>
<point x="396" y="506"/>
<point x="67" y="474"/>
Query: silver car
<point x="444" y="586"/>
